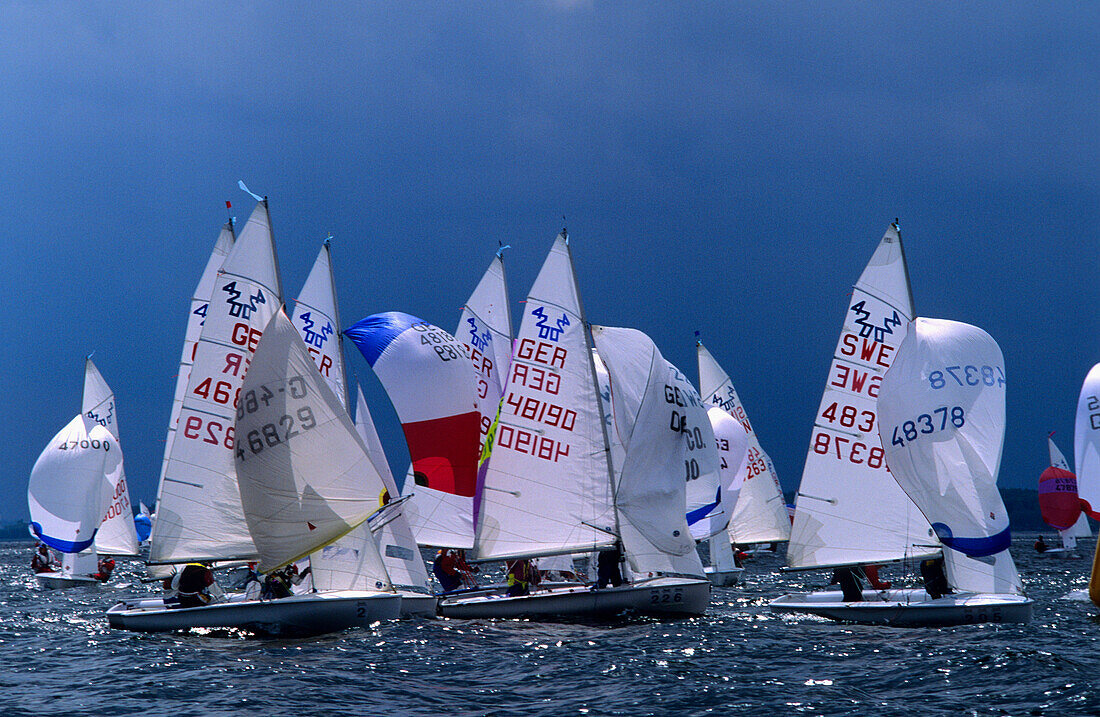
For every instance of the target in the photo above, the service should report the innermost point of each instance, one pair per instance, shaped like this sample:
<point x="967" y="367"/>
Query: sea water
<point x="58" y="657"/>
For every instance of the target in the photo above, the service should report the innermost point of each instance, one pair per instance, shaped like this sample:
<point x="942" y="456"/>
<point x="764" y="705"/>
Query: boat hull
<point x="908" y="608"/>
<point x="418" y="605"/>
<point x="1058" y="554"/>
<point x="310" y="614"/>
<point x="657" y="596"/>
<point x="724" y="578"/>
<point x="60" y="581"/>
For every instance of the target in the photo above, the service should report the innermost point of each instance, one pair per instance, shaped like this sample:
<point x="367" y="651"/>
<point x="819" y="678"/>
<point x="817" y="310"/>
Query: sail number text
<point x="927" y="423"/>
<point x="845" y="449"/>
<point x="281" y="430"/>
<point x="967" y="376"/>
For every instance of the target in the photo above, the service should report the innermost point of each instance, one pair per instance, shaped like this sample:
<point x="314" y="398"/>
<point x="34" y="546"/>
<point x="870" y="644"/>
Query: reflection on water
<point x="57" y="656"/>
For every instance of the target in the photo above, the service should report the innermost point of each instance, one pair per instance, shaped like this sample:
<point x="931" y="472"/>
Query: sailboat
<point x="851" y="510"/>
<point x="1059" y="504"/>
<point x="760" y="513"/>
<point x="117" y="533"/>
<point x="200" y="514"/>
<point x="1086" y="450"/>
<point x="338" y="566"/>
<point x="549" y="485"/>
<point x="732" y="442"/>
<point x="69" y="490"/>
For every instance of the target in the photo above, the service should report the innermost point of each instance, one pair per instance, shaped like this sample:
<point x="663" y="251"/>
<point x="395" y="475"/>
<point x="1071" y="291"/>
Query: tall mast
<point x="587" y="331"/>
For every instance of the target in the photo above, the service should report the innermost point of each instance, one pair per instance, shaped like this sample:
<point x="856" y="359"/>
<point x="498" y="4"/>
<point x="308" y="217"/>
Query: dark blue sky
<point x="727" y="167"/>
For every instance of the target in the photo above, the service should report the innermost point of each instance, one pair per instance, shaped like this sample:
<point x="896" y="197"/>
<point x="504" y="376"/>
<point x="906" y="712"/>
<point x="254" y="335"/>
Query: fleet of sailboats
<point x="568" y="440"/>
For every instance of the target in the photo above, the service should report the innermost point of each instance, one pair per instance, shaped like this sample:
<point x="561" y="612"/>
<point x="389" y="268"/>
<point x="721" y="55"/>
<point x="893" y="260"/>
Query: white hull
<point x="418" y="604"/>
<point x="59" y="581"/>
<point x="656" y="596"/>
<point x="311" y="614"/>
<point x="723" y="578"/>
<point x="1058" y="554"/>
<point x="908" y="608"/>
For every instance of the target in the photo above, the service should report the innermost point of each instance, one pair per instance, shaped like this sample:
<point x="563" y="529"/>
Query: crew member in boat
<point x="106" y="566"/>
<point x="607" y="568"/>
<point x="935" y="579"/>
<point x="1040" y="545"/>
<point x="42" y="561"/>
<point x="522" y="577"/>
<point x="445" y="569"/>
<point x="250" y="584"/>
<point x="280" y="583"/>
<point x="465" y="570"/>
<point x="850" y="584"/>
<point x="193" y="586"/>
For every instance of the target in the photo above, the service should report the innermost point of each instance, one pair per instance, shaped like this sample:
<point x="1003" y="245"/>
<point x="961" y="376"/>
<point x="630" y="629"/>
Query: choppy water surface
<point x="57" y="656"/>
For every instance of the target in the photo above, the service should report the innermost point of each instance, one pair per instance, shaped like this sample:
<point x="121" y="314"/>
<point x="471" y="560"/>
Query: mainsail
<point x="429" y="381"/>
<point x="941" y="414"/>
<point x="341" y="565"/>
<point x="71" y="485"/>
<point x="117" y="534"/>
<point x="849" y="509"/>
<point x="200" y="301"/>
<point x="302" y="468"/>
<point x="199" y="514"/>
<point x="669" y="444"/>
<point x="733" y="460"/>
<point x="485" y="332"/>
<point x="760" y="513"/>
<point x="547" y="487"/>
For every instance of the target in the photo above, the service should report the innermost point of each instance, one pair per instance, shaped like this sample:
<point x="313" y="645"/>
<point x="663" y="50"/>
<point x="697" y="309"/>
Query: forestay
<point x="432" y="387"/>
<point x="666" y="448"/>
<point x="117" y="533"/>
<point x="304" y="473"/>
<point x="71" y="484"/>
<point x="199" y="515"/>
<point x="1086" y="443"/>
<point x="200" y="301"/>
<point x="849" y="509"/>
<point x="760" y="513"/>
<point x="942" y="420"/>
<point x="547" y="486"/>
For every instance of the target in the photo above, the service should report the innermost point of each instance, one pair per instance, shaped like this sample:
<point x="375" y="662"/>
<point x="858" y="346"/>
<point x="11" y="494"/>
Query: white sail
<point x="760" y="514"/>
<point x="941" y="409"/>
<point x="547" y="486"/>
<point x="71" y="484"/>
<point x="199" y="514"/>
<point x="316" y="318"/>
<point x="117" y="534"/>
<point x="1086" y="443"/>
<point x="337" y="566"/>
<point x="1080" y="529"/>
<point x="733" y="461"/>
<point x="195" y="319"/>
<point x="849" y="509"/>
<point x="485" y="332"/>
<point x="304" y="474"/>
<point x="666" y="449"/>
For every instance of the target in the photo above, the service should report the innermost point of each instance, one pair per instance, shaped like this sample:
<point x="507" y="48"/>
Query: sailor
<point x="607" y="568"/>
<point x="522" y="576"/>
<point x="445" y="569"/>
<point x="42" y="560"/>
<point x="193" y="586"/>
<point x="106" y="567"/>
<point x="250" y="583"/>
<point x="465" y="570"/>
<point x="280" y="583"/>
<point x="1040" y="545"/>
<point x="849" y="580"/>
<point x="935" y="579"/>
